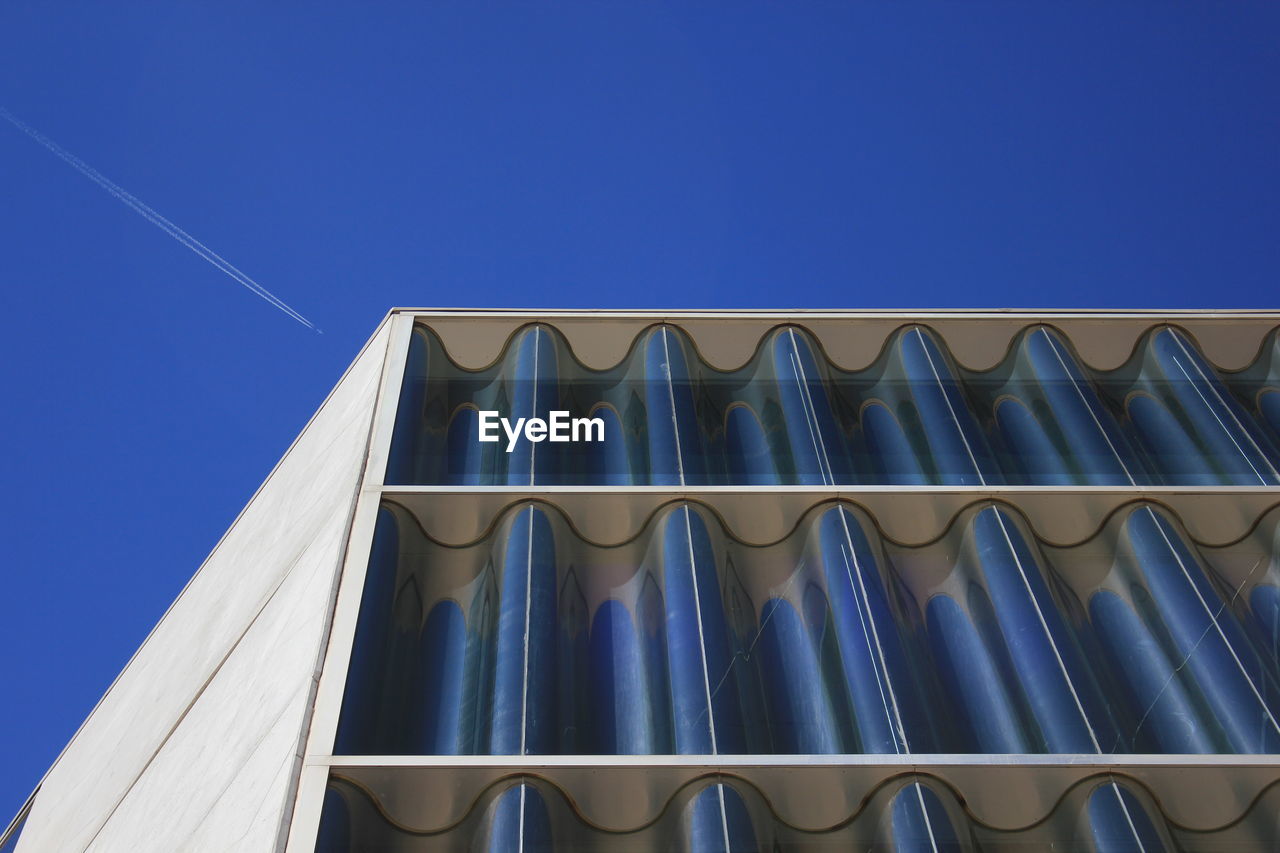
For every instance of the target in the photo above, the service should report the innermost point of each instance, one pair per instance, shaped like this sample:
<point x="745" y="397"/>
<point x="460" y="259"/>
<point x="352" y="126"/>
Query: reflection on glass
<point x="911" y="814"/>
<point x="789" y="416"/>
<point x="687" y="641"/>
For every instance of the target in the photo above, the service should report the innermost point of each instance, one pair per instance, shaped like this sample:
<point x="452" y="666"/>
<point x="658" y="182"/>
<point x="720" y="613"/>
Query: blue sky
<point x="539" y="155"/>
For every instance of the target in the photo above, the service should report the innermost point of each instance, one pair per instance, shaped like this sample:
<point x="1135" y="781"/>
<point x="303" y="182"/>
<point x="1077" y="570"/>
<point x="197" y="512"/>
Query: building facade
<point x="803" y="581"/>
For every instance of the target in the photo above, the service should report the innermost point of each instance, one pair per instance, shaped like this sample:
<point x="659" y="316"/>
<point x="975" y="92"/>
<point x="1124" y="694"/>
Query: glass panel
<point x="906" y="813"/>
<point x="662" y="416"/>
<point x="834" y="640"/>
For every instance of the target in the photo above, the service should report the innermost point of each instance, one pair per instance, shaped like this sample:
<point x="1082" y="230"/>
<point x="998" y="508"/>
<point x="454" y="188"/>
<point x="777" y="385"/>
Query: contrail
<point x="147" y="213"/>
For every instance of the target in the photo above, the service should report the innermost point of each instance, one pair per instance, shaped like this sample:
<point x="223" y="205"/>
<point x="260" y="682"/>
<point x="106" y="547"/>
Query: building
<point x="818" y="581"/>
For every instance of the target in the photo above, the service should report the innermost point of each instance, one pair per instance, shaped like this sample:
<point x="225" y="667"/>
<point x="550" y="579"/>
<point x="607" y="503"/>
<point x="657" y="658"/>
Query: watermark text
<point x="559" y="426"/>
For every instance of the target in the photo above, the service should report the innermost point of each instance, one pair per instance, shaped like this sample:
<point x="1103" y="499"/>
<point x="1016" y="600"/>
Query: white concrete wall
<point x="195" y="745"/>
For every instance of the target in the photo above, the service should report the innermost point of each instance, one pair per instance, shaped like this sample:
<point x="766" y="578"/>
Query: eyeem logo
<point x="560" y="427"/>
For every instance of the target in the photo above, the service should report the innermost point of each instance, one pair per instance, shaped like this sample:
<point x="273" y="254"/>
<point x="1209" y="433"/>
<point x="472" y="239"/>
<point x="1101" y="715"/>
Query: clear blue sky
<point x="539" y="155"/>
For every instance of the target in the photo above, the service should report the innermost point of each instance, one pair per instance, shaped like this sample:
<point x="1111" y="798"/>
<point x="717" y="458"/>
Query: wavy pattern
<point x="832" y="641"/>
<point x="1105" y="814"/>
<point x="789" y="416"/>
<point x="852" y="340"/>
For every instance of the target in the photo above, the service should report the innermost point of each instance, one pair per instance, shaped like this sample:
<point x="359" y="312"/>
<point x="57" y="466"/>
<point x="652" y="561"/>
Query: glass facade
<point x="906" y="814"/>
<point x="790" y="416"/>
<point x="836" y="648"/>
<point x="834" y="640"/>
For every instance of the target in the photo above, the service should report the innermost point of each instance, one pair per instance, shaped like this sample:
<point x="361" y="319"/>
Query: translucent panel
<point x="636" y="672"/>
<point x="790" y="416"/>
<point x="833" y="640"/>
<point x="915" y="813"/>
